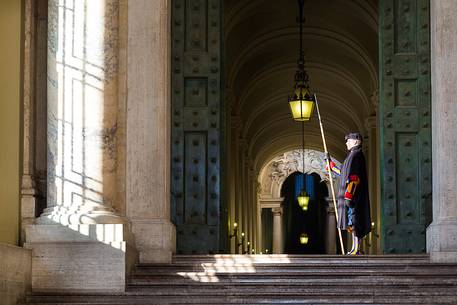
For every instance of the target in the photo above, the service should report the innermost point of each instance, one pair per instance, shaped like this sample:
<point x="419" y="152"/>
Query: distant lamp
<point x="303" y="200"/>
<point x="235" y="230"/>
<point x="304" y="239"/>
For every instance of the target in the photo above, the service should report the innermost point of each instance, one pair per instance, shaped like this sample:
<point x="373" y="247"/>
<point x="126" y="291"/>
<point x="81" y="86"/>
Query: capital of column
<point x="330" y="208"/>
<point x="277" y="211"/>
<point x="370" y="123"/>
<point x="251" y="171"/>
<point x="235" y="122"/>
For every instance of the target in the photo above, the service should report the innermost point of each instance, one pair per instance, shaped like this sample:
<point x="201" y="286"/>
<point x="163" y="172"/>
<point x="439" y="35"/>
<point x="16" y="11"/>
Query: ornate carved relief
<point x="279" y="168"/>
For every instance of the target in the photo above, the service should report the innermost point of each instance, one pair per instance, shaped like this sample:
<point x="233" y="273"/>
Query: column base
<point x="442" y="241"/>
<point x="155" y="240"/>
<point x="28" y="204"/>
<point x="84" y="258"/>
<point x="83" y="214"/>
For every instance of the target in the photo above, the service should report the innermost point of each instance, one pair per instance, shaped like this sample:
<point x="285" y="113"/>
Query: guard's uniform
<point x="353" y="200"/>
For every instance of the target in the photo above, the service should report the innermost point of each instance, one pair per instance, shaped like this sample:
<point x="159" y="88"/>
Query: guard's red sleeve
<point x="353" y="181"/>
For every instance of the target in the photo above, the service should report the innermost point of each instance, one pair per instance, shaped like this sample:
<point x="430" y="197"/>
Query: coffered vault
<point x="340" y="40"/>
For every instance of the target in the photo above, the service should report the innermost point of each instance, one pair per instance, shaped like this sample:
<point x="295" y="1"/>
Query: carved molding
<point x="275" y="172"/>
<point x="270" y="203"/>
<point x="370" y="123"/>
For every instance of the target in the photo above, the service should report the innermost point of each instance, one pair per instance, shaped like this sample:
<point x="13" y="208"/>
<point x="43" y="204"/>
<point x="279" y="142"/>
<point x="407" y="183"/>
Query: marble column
<point x="80" y="242"/>
<point x="231" y="172"/>
<point x="242" y="183"/>
<point x="251" y="212"/>
<point x="235" y="207"/>
<point x="34" y="152"/>
<point x="256" y="214"/>
<point x="238" y="187"/>
<point x="277" y="230"/>
<point x="442" y="233"/>
<point x="28" y="187"/>
<point x="330" y="245"/>
<point x="82" y="109"/>
<point x="258" y="209"/>
<point x="148" y="129"/>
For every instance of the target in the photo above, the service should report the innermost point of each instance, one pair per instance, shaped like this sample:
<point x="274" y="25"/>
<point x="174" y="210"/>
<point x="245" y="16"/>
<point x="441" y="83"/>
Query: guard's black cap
<point x="353" y="135"/>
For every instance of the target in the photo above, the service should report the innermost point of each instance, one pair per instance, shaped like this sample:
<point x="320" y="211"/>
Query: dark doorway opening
<point x="298" y="222"/>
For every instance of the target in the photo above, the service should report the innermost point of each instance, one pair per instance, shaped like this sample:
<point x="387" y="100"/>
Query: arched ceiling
<point x="261" y="49"/>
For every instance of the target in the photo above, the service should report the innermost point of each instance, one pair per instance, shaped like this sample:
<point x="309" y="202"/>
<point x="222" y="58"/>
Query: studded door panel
<point x="405" y="124"/>
<point x="196" y="130"/>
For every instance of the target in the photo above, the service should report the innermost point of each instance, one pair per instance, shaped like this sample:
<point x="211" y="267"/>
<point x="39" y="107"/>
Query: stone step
<point x="293" y="263"/>
<point x="348" y="300"/>
<point x="280" y="279"/>
<point x="273" y="298"/>
<point x="294" y="268"/>
<point x="297" y="259"/>
<point x="314" y="281"/>
<point x="249" y="289"/>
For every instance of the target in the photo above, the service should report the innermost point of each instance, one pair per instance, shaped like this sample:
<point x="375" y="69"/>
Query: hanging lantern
<point x="301" y="104"/>
<point x="301" y="101"/>
<point x="303" y="200"/>
<point x="304" y="239"/>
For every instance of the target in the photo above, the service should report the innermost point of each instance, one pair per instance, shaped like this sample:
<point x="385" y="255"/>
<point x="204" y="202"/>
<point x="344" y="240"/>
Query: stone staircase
<point x="281" y="279"/>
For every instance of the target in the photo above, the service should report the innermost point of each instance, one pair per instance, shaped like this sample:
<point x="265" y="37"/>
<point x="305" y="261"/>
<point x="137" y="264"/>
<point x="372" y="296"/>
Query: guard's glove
<point x="327" y="158"/>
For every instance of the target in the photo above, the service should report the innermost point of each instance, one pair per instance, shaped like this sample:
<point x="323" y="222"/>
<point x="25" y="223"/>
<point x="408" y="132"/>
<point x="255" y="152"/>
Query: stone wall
<point x="15" y="273"/>
<point x="10" y="94"/>
<point x="148" y="130"/>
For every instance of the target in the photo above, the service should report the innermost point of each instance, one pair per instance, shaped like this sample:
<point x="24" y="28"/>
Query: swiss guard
<point x="353" y="199"/>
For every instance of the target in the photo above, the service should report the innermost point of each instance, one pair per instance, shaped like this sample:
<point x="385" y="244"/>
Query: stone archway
<point x="270" y="181"/>
<point x="313" y="222"/>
